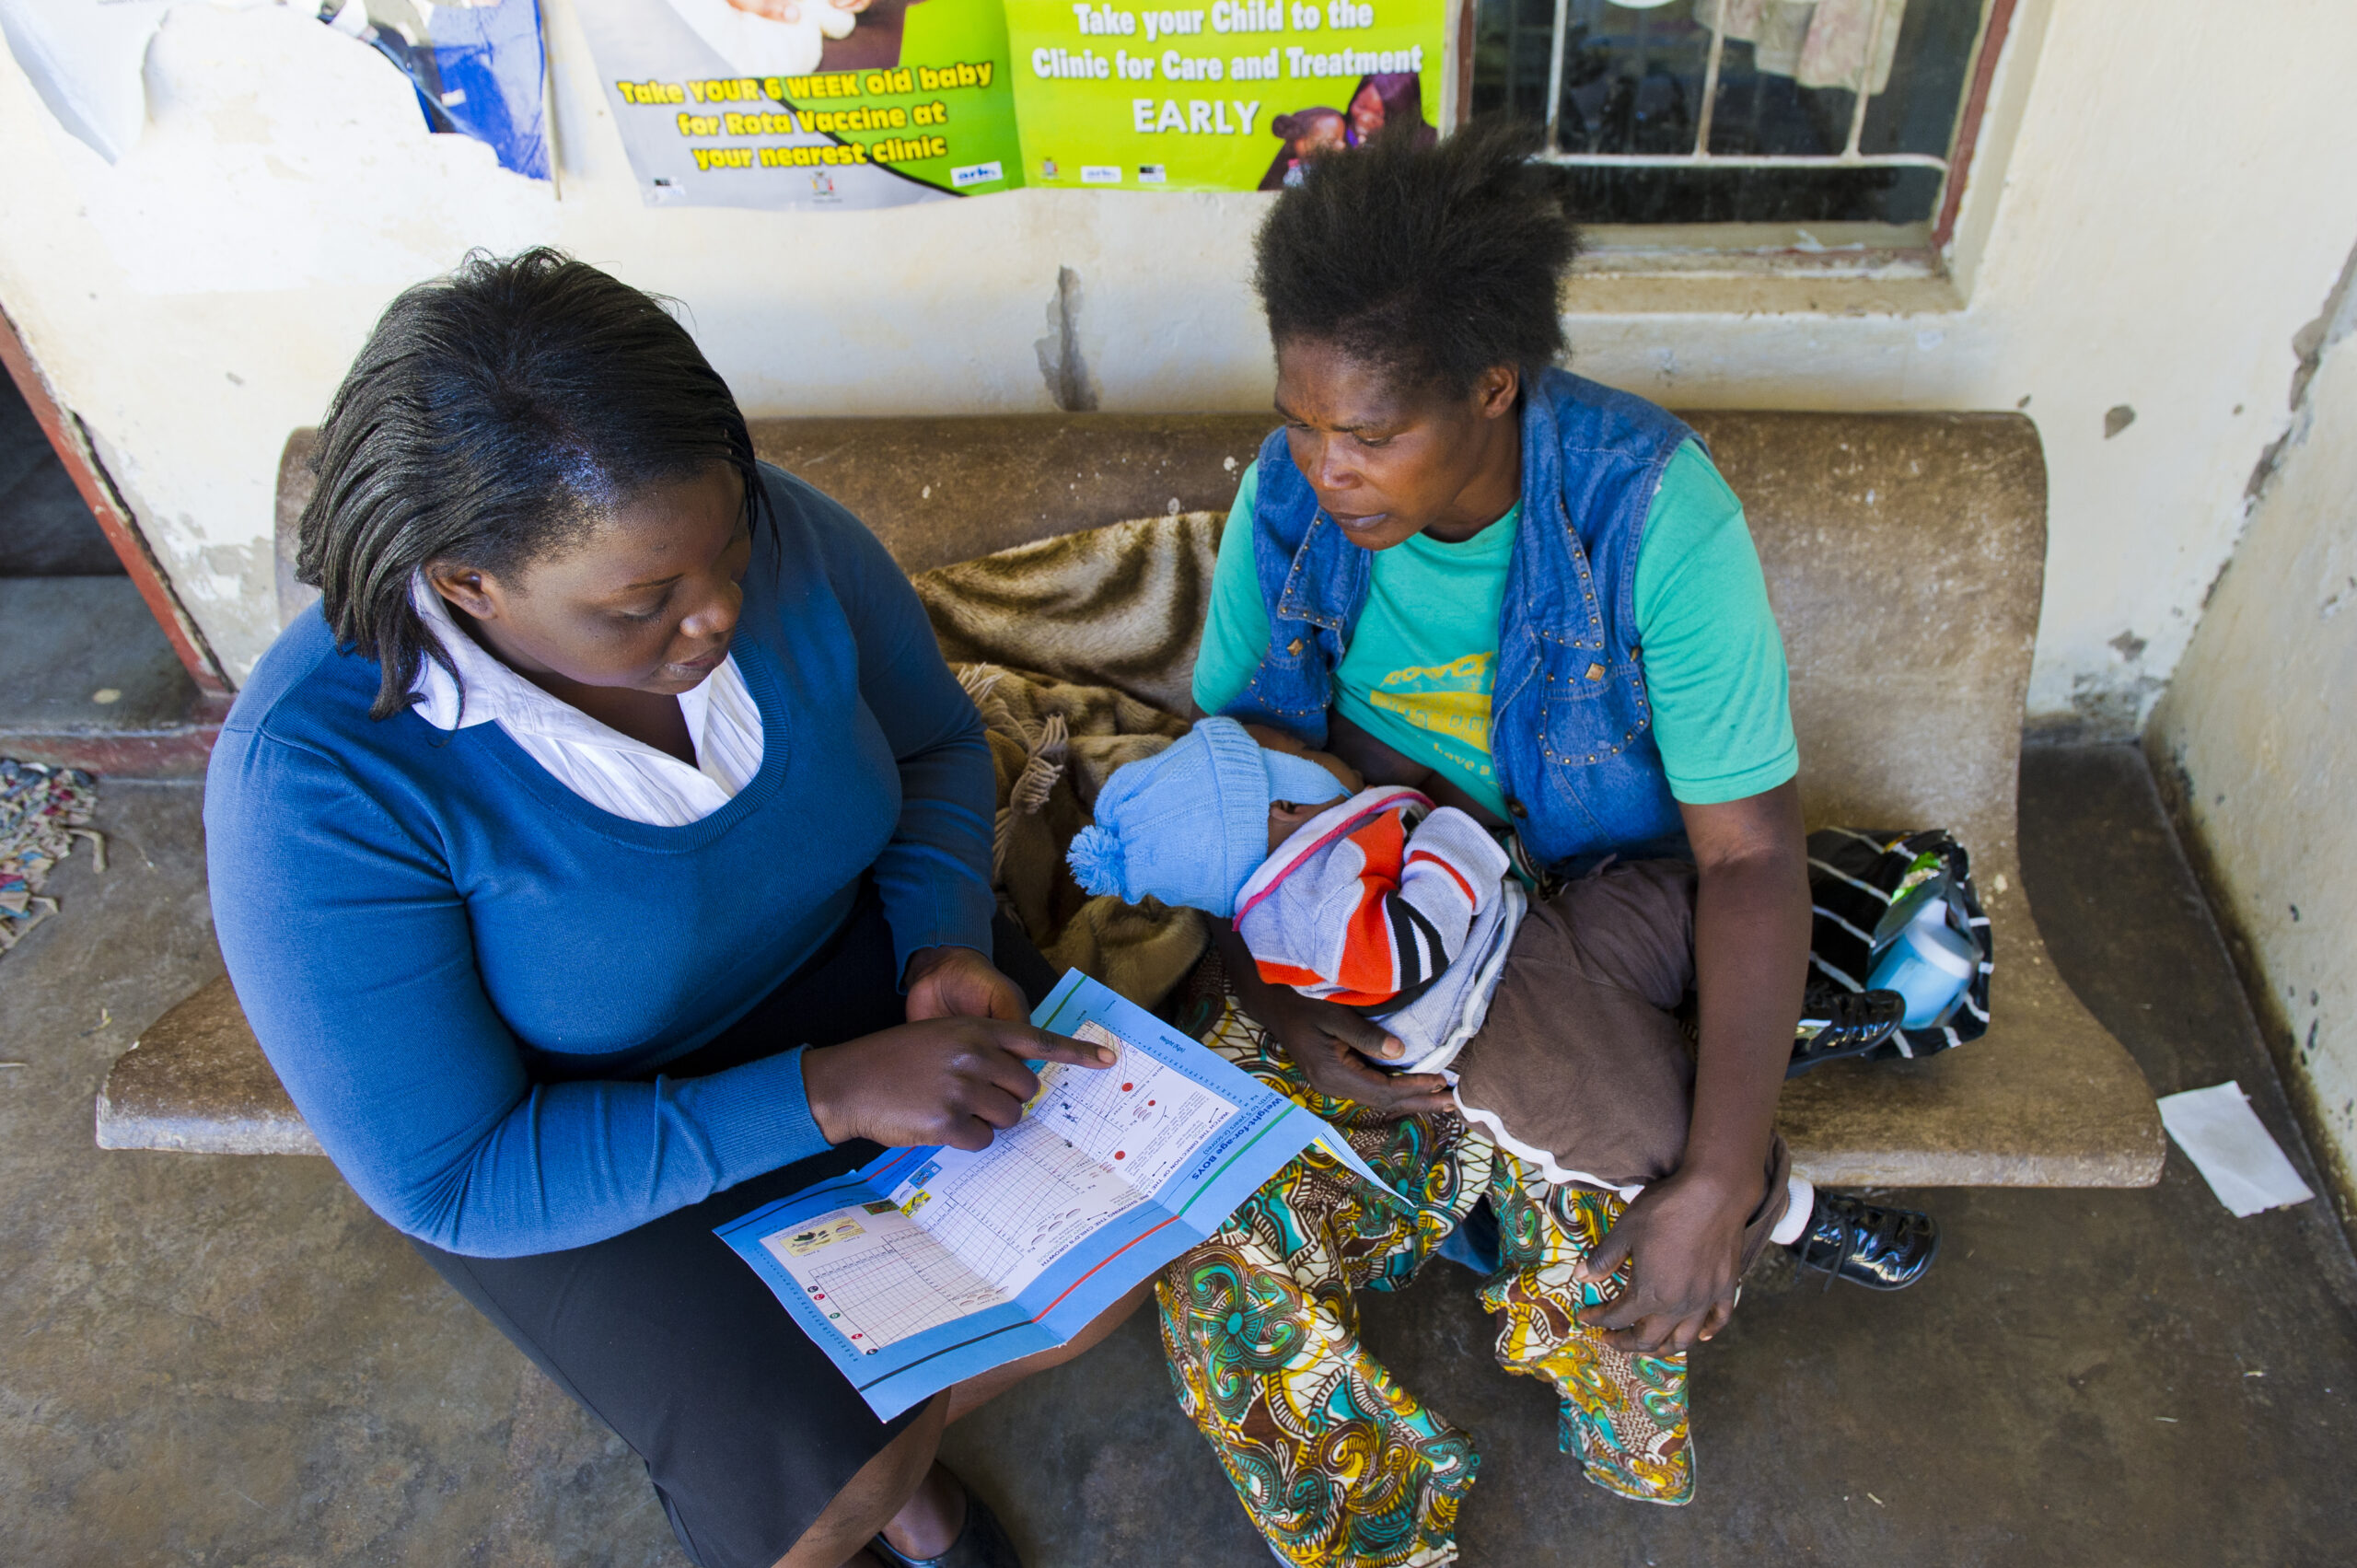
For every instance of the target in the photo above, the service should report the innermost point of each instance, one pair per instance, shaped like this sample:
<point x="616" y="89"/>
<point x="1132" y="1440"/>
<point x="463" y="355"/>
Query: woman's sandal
<point x="1838" y="1025"/>
<point x="980" y="1544"/>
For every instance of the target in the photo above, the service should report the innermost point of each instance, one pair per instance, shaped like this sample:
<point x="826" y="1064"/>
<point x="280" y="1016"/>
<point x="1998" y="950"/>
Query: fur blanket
<point x="1078" y="652"/>
<point x="1121" y="606"/>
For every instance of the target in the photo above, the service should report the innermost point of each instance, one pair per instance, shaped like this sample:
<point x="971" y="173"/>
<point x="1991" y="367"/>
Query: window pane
<point x="1632" y="83"/>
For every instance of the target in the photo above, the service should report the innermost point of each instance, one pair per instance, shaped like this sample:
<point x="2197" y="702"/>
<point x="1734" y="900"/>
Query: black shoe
<point x="1881" y="1249"/>
<point x="1837" y="1024"/>
<point x="981" y="1543"/>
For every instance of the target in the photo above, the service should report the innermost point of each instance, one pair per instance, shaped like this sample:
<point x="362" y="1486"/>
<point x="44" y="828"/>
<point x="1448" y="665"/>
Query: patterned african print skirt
<point x="1338" y="1465"/>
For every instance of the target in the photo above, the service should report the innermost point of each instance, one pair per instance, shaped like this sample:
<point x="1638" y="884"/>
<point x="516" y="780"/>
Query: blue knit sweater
<point x="453" y="962"/>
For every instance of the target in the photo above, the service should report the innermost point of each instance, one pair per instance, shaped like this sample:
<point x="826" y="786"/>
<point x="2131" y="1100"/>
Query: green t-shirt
<point x="1423" y="663"/>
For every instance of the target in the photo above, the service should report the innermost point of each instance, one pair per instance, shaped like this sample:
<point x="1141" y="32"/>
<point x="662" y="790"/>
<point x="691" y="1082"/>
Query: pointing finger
<point x="1038" y="1045"/>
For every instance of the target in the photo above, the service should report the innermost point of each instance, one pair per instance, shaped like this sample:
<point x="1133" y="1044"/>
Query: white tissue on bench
<point x="2243" y="1165"/>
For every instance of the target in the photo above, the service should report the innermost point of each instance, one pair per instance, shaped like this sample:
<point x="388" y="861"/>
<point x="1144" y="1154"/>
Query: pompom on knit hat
<point x="1190" y="824"/>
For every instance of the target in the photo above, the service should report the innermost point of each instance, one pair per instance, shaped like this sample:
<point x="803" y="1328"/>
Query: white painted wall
<point x="2176" y="199"/>
<point x="2260" y="725"/>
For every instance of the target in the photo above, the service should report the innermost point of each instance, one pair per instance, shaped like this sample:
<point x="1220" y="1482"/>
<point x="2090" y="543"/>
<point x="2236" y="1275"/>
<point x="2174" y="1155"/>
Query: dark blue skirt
<point x="746" y="1428"/>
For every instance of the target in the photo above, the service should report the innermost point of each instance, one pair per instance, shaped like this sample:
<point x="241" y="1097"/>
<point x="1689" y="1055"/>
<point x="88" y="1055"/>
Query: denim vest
<point x="1571" y="731"/>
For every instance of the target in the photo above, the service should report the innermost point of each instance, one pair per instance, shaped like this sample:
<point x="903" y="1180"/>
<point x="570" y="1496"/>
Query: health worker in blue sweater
<point x="609" y="857"/>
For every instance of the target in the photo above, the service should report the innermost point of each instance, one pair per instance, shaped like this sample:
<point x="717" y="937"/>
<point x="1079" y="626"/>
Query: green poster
<point x="873" y="103"/>
<point x="1231" y="96"/>
<point x="808" y="103"/>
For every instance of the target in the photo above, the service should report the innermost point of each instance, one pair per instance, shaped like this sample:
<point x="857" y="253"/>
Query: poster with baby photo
<point x="875" y="103"/>
<point x="1236" y="95"/>
<point x="808" y="103"/>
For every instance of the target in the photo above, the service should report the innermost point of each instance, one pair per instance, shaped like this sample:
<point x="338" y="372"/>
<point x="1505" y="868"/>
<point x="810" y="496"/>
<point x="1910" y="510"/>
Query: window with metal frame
<point x="1751" y="124"/>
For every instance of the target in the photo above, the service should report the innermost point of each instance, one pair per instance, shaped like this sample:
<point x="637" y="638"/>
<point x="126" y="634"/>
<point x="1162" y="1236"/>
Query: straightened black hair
<point x="494" y="417"/>
<point x="1430" y="265"/>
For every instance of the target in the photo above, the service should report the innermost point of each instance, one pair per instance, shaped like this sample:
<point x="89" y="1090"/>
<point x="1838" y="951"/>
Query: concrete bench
<point x="1905" y="555"/>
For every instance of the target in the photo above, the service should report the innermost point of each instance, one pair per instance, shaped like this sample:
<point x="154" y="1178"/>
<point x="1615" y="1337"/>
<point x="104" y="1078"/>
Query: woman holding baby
<point x="1530" y="598"/>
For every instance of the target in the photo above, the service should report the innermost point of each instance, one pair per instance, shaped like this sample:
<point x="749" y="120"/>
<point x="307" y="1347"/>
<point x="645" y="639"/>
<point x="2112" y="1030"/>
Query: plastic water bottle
<point x="1929" y="963"/>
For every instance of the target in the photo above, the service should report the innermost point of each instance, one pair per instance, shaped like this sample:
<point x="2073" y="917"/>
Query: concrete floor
<point x="83" y="655"/>
<point x="224" y="1360"/>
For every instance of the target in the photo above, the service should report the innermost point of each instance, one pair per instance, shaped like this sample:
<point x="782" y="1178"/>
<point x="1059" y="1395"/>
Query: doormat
<point x="42" y="812"/>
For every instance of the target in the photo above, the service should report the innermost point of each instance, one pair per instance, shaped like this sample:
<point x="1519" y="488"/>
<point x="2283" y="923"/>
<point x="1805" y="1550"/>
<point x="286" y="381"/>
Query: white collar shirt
<point x="601" y="764"/>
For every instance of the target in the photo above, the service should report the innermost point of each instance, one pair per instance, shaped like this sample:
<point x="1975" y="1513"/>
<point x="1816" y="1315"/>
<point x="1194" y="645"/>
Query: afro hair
<point x="1429" y="263"/>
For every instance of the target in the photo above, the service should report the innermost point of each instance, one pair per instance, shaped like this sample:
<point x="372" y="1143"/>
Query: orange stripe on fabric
<point x="1369" y="969"/>
<point x="1383" y="840"/>
<point x="1400" y="799"/>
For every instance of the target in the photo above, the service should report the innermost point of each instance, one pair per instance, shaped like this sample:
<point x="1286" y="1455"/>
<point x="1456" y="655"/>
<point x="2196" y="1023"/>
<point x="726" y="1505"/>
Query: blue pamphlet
<point x="930" y="1265"/>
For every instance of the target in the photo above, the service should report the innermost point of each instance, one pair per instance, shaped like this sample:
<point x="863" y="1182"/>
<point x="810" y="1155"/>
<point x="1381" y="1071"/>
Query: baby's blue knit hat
<point x="1189" y="825"/>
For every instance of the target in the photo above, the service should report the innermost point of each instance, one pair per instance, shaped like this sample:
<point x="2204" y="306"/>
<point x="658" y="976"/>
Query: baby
<point x="1553" y="1022"/>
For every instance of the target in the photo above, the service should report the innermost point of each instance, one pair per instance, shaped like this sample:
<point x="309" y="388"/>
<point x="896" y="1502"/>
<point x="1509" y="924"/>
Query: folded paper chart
<point x="930" y="1265"/>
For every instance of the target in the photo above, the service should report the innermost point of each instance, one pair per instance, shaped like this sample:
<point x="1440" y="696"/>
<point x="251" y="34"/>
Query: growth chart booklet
<point x="930" y="1265"/>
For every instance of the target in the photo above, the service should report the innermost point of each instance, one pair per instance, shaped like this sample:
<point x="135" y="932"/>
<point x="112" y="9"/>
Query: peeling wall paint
<point x="199" y="298"/>
<point x="2258" y="735"/>
<point x="1063" y="366"/>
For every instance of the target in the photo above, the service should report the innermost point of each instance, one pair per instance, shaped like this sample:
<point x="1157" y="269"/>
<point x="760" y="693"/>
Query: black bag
<point x="1855" y="878"/>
